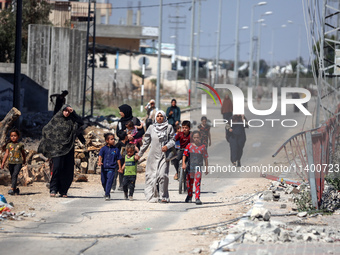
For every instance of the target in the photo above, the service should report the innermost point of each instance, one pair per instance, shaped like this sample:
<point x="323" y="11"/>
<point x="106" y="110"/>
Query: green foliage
<point x="329" y="53"/>
<point x="137" y="72"/>
<point x="33" y="12"/>
<point x="303" y="201"/>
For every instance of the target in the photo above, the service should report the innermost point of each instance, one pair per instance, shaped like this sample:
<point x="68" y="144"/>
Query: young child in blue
<point x="16" y="157"/>
<point x="130" y="171"/>
<point x="109" y="159"/>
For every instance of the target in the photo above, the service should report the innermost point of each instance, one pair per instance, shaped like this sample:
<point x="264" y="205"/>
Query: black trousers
<point x="120" y="177"/>
<point x="236" y="147"/>
<point x="129" y="182"/>
<point x="14" y="170"/>
<point x="63" y="171"/>
<point x="227" y="116"/>
<point x="176" y="160"/>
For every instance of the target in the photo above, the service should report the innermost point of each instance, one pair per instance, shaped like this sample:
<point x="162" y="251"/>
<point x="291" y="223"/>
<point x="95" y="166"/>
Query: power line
<point x="147" y="6"/>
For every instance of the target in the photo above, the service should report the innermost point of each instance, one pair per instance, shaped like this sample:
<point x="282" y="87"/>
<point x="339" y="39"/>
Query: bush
<point x="137" y="72"/>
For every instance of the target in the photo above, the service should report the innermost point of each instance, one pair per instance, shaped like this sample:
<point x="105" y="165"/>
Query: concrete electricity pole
<point x="251" y="42"/>
<point x="158" y="105"/>
<point x="236" y="43"/>
<point x="218" y="42"/>
<point x="198" y="48"/>
<point x="191" y="48"/>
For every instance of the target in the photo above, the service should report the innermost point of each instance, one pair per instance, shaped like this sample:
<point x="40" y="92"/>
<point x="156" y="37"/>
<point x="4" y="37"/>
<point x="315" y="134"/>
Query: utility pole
<point x="17" y="66"/>
<point x="87" y="55"/>
<point x="236" y="43"/>
<point x="251" y="42"/>
<point x="191" y="48"/>
<point x="298" y="60"/>
<point x="218" y="42"/>
<point x="177" y="19"/>
<point x="198" y="48"/>
<point x="158" y="105"/>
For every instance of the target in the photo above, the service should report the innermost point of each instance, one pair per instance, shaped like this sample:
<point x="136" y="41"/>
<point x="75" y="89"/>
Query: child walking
<point x="204" y="129"/>
<point x="130" y="171"/>
<point x="109" y="160"/>
<point x="16" y="157"/>
<point x="131" y="129"/>
<point x="121" y="145"/>
<point x="184" y="139"/>
<point x="195" y="152"/>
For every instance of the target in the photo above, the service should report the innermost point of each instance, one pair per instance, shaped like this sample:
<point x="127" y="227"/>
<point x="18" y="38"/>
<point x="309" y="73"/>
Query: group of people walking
<point x="169" y="139"/>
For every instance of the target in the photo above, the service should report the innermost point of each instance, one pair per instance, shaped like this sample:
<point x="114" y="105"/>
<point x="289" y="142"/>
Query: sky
<point x="285" y="39"/>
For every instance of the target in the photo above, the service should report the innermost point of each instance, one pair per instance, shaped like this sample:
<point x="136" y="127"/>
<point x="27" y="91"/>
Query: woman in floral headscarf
<point x="161" y="137"/>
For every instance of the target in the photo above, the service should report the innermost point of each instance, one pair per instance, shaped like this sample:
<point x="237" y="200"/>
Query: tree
<point x="33" y="12"/>
<point x="329" y="54"/>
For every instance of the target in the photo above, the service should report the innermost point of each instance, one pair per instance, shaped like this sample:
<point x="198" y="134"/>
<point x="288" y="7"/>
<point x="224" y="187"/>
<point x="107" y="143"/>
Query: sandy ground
<point x="187" y="232"/>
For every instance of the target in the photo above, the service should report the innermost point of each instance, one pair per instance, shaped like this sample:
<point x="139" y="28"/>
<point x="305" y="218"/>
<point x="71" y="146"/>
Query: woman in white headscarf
<point x="161" y="137"/>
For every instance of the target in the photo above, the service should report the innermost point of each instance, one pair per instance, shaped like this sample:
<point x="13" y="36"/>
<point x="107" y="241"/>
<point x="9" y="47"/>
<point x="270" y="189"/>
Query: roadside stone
<point x="284" y="236"/>
<point x="250" y="238"/>
<point x="267" y="238"/>
<point x="307" y="237"/>
<point x="328" y="240"/>
<point x="196" y="251"/>
<point x="267" y="195"/>
<point x="283" y="206"/>
<point x="315" y="232"/>
<point x="276" y="197"/>
<point x="214" y="245"/>
<point x="260" y="213"/>
<point x="302" y="214"/>
<point x="299" y="237"/>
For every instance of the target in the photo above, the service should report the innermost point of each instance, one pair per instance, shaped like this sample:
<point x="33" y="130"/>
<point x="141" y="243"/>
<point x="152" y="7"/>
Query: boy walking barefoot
<point x="109" y="160"/>
<point x="130" y="172"/>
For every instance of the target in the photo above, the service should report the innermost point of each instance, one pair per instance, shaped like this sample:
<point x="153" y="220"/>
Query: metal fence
<point x="309" y="154"/>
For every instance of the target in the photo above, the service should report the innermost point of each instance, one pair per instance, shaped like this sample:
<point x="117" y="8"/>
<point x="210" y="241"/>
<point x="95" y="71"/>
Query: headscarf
<point x="161" y="128"/>
<point x="127" y="110"/>
<point x="59" y="134"/>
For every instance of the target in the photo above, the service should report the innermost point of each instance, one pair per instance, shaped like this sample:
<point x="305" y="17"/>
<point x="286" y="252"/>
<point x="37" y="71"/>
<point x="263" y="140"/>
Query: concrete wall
<point x="104" y="78"/>
<point x="131" y="62"/>
<point x="9" y="68"/>
<point x="38" y="55"/>
<point x="56" y="60"/>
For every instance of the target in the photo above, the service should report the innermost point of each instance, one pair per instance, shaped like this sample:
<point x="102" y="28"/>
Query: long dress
<point x="157" y="169"/>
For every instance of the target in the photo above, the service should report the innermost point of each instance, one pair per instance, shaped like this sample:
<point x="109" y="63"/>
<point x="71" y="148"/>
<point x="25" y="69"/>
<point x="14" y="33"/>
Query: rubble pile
<point x="330" y="199"/>
<point x="34" y="122"/>
<point x="86" y="156"/>
<point x="278" y="232"/>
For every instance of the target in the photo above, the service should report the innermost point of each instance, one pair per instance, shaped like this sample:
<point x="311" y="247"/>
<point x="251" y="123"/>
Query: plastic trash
<point x="3" y="199"/>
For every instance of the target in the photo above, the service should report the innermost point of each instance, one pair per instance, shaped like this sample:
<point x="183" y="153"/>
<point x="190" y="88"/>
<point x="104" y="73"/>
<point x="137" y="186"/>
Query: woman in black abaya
<point x="58" y="144"/>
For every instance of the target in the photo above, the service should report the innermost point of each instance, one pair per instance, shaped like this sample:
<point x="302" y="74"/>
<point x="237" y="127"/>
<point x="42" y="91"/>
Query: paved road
<point x="88" y="225"/>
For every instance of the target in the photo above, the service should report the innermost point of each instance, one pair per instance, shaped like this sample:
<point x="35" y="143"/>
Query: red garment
<point x="195" y="149"/>
<point x="190" y="183"/>
<point x="183" y="140"/>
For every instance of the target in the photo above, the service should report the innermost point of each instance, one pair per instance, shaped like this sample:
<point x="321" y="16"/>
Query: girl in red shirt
<point x="196" y="153"/>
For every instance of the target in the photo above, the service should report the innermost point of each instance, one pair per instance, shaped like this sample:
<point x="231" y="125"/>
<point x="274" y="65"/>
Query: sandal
<point x="63" y="195"/>
<point x="53" y="194"/>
